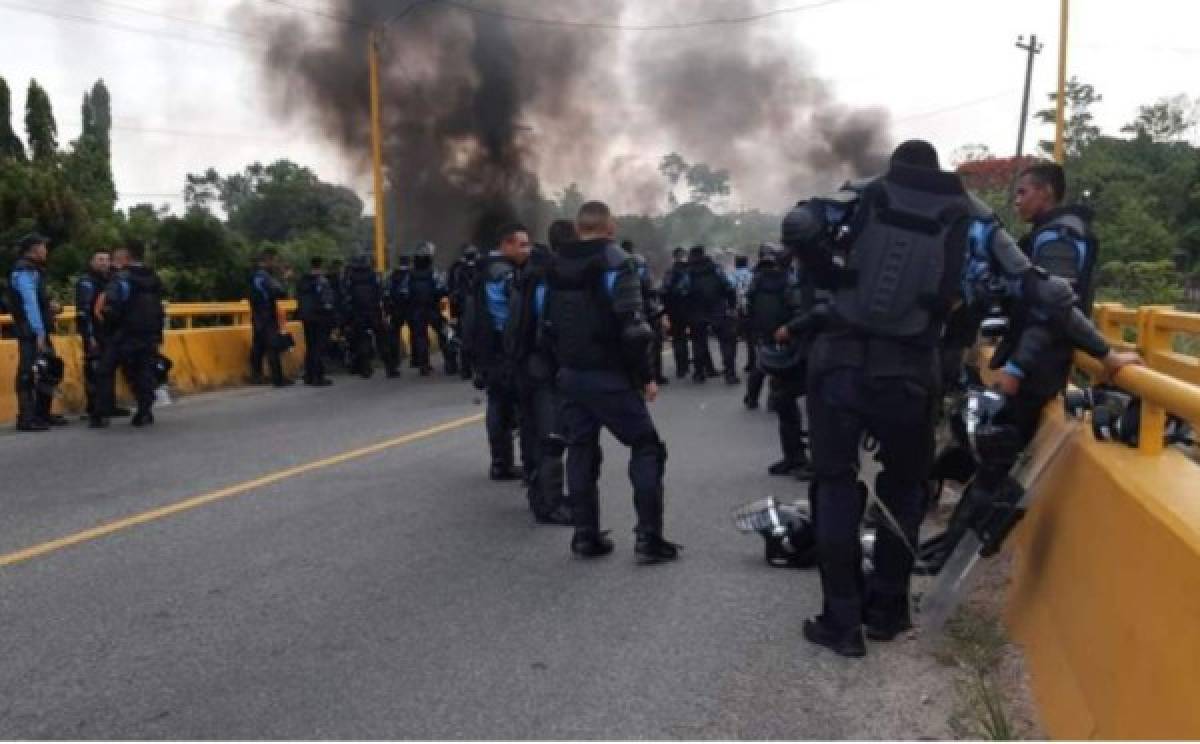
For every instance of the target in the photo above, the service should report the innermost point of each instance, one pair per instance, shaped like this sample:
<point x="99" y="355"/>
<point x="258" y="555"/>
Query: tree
<point x="570" y="200"/>
<point x="40" y="125"/>
<point x="11" y="146"/>
<point x="1168" y="120"/>
<point x="707" y="184"/>
<point x="1079" y="130"/>
<point x="673" y="167"/>
<point x="89" y="164"/>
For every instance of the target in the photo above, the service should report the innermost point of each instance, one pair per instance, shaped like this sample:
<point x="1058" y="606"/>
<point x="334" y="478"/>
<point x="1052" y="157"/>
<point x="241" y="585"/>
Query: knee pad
<point x="651" y="445"/>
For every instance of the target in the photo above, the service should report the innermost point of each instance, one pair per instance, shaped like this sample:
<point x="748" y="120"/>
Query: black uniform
<point x="596" y="328"/>
<point x="29" y="303"/>
<point x="486" y="319"/>
<point x="711" y="299"/>
<point x="318" y="312"/>
<point x="654" y="311"/>
<point x="364" y="313"/>
<point x="534" y="371"/>
<point x="88" y="289"/>
<point x="426" y="292"/>
<point x="133" y="313"/>
<point x="460" y="282"/>
<point x="675" y="292"/>
<point x="397" y="304"/>
<point x="1033" y="350"/>
<point x="875" y="368"/>
<point x="265" y="292"/>
<point x="767" y="310"/>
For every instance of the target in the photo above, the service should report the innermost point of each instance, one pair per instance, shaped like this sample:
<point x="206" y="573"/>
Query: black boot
<point x="502" y="471"/>
<point x="587" y="543"/>
<point x="651" y="549"/>
<point x="847" y="642"/>
<point x="143" y="418"/>
<point x="885" y="617"/>
<point x="32" y="425"/>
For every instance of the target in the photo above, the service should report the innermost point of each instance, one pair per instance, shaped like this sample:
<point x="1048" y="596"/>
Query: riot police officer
<point x="33" y="319"/>
<point x="534" y="369"/>
<point x="596" y="326"/>
<point x="265" y="292"/>
<point x="364" y="313"/>
<point x="397" y="303"/>
<point x="427" y="289"/>
<point x="891" y="251"/>
<point x="133" y="312"/>
<point x="743" y="275"/>
<point x="654" y="308"/>
<point x="92" y="336"/>
<point x="1033" y="359"/>
<point x="710" y="304"/>
<point x="486" y="319"/>
<point x="317" y="307"/>
<point x="676" y="292"/>
<point x="460" y="281"/>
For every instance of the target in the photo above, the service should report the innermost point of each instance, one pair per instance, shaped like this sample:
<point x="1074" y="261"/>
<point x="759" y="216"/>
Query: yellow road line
<point x="153" y="515"/>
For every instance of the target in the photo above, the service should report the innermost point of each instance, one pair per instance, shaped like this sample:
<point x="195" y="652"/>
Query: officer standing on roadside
<point x="710" y="304"/>
<point x="265" y="293"/>
<point x="33" y="315"/>
<point x="892" y="252"/>
<point x="676" y="289"/>
<point x="596" y="326"/>
<point x="92" y="334"/>
<point x="364" y="312"/>
<point x="318" y="312"/>
<point x="397" y="303"/>
<point x="487" y="319"/>
<point x="535" y="370"/>
<point x="426" y="292"/>
<point x="460" y="282"/>
<point x="655" y="311"/>
<point x="133" y="312"/>
<point x="743" y="275"/>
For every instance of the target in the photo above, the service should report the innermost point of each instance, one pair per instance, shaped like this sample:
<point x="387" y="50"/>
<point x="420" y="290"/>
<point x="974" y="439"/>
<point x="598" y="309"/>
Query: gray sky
<point x="187" y="96"/>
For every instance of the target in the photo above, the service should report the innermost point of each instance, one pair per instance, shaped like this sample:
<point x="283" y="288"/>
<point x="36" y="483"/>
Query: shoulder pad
<point x="1067" y="221"/>
<point x="616" y="258"/>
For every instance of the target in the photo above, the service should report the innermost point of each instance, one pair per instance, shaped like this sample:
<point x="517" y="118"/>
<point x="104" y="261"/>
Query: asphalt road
<point x="396" y="592"/>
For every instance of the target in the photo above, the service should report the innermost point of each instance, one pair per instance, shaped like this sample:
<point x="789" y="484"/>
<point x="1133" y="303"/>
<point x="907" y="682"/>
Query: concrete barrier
<point x="204" y="359"/>
<point x="1105" y="598"/>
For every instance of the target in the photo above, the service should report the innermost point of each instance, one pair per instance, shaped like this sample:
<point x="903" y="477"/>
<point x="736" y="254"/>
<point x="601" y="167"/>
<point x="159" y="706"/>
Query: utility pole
<point x="1032" y="49"/>
<point x="377" y="153"/>
<point x="1060" y="122"/>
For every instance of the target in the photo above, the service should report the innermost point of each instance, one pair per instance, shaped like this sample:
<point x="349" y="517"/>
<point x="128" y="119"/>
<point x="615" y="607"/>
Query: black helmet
<point x="47" y="373"/>
<point x="425" y="249"/>
<point x="162" y="369"/>
<point x="781" y="360"/>
<point x="768" y="252"/>
<point x="470" y="252"/>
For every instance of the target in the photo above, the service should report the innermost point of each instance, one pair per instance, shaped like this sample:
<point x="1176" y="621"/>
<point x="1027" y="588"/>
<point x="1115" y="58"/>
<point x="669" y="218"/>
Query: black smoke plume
<point x="480" y="111"/>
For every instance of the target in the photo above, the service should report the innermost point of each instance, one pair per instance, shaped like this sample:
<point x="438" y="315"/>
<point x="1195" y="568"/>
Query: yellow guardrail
<point x="182" y="314"/>
<point x="1170" y="381"/>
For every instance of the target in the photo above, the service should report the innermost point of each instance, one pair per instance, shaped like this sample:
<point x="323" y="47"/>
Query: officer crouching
<point x="597" y="331"/>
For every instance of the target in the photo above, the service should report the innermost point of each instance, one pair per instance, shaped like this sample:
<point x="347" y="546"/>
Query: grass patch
<point x="975" y="642"/>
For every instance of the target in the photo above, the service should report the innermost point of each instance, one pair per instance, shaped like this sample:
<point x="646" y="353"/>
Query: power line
<point x="955" y="107"/>
<point x="178" y="19"/>
<point x="118" y="26"/>
<point x="733" y="20"/>
<point x="348" y="20"/>
<point x="595" y="25"/>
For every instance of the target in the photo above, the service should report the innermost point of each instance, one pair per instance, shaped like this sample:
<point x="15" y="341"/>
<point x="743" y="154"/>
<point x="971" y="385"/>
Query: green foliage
<point x="40" y="126"/>
<point x="11" y="146"/>
<point x="1168" y="120"/>
<point x="1080" y="129"/>
<point x="1138" y="283"/>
